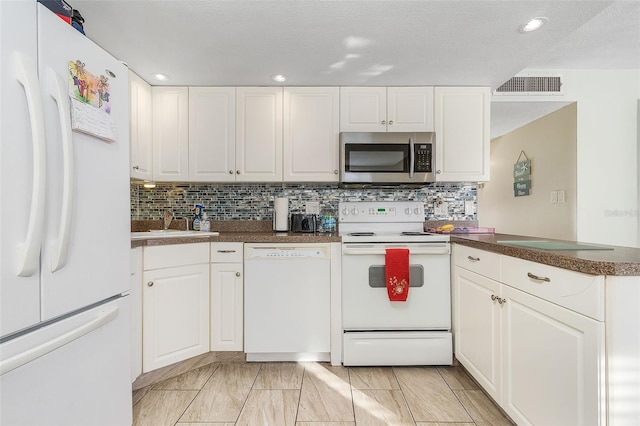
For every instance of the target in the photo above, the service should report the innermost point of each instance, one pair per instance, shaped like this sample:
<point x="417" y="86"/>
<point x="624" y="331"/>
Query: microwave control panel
<point x="422" y="157"/>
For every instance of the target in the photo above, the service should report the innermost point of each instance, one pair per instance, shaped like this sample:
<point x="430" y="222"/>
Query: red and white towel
<point x="397" y="273"/>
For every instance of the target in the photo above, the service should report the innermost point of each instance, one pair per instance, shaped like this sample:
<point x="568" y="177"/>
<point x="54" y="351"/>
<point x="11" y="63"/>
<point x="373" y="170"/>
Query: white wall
<point x="607" y="152"/>
<point x="550" y="144"/>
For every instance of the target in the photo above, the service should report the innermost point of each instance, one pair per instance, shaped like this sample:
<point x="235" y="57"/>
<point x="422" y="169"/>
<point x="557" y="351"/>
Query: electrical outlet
<point x="554" y="197"/>
<point x="441" y="209"/>
<point x="312" y="207"/>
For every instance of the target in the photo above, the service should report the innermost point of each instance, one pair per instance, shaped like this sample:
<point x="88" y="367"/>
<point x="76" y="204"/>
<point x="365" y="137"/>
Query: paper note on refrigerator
<point x="92" y="121"/>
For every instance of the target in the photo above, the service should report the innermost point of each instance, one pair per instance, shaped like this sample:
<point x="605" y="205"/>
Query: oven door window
<point x="376" y="158"/>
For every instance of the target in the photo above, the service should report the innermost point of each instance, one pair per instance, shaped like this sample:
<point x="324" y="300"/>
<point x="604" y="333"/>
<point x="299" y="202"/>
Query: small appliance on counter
<point x="281" y="214"/>
<point x="304" y="222"/>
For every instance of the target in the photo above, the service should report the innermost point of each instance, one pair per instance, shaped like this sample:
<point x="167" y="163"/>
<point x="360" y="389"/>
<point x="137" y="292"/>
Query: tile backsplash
<point x="251" y="201"/>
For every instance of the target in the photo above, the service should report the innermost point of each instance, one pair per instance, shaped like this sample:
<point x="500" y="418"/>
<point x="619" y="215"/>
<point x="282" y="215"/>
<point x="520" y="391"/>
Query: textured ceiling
<point x="378" y="43"/>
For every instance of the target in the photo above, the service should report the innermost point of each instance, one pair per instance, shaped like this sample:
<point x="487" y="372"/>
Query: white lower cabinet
<point x="175" y="304"/>
<point x="551" y="361"/>
<point x="227" y="297"/>
<point x="533" y="340"/>
<point x="477" y="319"/>
<point x="136" y="313"/>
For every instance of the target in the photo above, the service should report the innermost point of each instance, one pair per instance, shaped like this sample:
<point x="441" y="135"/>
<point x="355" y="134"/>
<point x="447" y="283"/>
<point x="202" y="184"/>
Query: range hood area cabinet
<point x="274" y="134"/>
<point x="462" y="120"/>
<point x="386" y="109"/>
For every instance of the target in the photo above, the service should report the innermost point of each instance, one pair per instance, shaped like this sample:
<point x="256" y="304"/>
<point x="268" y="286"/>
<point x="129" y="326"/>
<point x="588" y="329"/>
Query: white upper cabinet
<point x="311" y="134"/>
<point x="382" y="109"/>
<point x="212" y="134"/>
<point x="363" y="109"/>
<point x="170" y="133"/>
<point x="141" y="128"/>
<point x="259" y="134"/>
<point x="462" y="119"/>
<point x="410" y="109"/>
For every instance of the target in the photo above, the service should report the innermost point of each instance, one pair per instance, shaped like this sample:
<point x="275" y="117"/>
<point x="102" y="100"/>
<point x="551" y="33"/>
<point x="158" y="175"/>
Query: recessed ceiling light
<point x="533" y="25"/>
<point x="279" y="78"/>
<point x="160" y="77"/>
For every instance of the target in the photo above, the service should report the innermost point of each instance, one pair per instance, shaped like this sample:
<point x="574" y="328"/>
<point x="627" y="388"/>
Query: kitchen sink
<point x="553" y="245"/>
<point x="170" y="233"/>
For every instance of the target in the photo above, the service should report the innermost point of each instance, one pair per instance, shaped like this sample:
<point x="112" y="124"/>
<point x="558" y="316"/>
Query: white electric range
<point x="377" y="331"/>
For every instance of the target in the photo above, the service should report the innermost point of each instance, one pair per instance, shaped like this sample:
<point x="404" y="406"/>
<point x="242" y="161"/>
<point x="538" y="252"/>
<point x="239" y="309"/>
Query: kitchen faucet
<point x="168" y="217"/>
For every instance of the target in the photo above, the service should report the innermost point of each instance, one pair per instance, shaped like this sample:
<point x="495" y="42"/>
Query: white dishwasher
<point x="287" y="302"/>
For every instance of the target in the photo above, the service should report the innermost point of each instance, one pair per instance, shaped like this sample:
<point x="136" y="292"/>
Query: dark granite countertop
<point x="242" y="237"/>
<point x="616" y="261"/>
<point x="230" y="232"/>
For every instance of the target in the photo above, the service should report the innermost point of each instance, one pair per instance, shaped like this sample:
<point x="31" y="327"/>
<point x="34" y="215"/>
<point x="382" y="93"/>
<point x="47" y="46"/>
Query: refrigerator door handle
<point x="58" y="91"/>
<point x="43" y="349"/>
<point x="29" y="251"/>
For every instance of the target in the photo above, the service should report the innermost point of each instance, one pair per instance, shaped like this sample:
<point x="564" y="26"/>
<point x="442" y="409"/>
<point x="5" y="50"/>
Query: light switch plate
<point x="561" y="195"/>
<point x="468" y="208"/>
<point x="312" y="207"/>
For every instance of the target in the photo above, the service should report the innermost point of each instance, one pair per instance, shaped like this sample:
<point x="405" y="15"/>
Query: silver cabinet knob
<point x="230" y="172"/>
<point x="391" y="122"/>
<point x="502" y="301"/>
<point x="494" y="297"/>
<point x="335" y="172"/>
<point x="237" y="172"/>
<point x="237" y="274"/>
<point x="136" y="167"/>
<point x="383" y="122"/>
<point x="150" y="284"/>
<point x="438" y="172"/>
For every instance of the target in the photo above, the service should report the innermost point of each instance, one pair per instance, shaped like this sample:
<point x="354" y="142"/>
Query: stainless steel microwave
<point x="387" y="158"/>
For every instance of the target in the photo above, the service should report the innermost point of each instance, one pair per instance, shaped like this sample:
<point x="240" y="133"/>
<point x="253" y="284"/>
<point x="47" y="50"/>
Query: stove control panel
<point x="381" y="211"/>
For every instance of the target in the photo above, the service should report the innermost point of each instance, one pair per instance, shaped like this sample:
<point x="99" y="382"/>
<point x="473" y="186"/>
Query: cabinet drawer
<point x="156" y="257"/>
<point x="581" y="293"/>
<point x="226" y="252"/>
<point x="478" y="261"/>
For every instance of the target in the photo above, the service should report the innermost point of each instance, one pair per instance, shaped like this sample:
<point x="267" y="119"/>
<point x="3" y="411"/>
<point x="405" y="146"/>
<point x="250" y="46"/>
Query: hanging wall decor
<point x="522" y="176"/>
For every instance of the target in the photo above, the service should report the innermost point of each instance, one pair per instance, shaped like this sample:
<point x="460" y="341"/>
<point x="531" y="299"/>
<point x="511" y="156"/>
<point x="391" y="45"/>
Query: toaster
<point x="303" y="222"/>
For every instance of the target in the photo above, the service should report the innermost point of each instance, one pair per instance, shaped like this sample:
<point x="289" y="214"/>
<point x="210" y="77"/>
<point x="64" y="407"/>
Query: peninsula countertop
<point x="614" y="260"/>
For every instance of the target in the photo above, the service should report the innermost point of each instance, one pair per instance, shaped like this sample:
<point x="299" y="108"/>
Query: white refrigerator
<point x="64" y="225"/>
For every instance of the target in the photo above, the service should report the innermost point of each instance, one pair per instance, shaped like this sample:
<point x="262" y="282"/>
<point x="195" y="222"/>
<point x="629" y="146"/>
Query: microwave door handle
<point x="411" y="159"/>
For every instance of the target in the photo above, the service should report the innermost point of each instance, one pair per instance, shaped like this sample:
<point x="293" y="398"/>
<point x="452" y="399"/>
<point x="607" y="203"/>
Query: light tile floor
<point x="315" y="394"/>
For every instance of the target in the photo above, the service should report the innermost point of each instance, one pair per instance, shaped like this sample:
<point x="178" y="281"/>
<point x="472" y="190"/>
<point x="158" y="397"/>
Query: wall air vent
<point x="531" y="85"/>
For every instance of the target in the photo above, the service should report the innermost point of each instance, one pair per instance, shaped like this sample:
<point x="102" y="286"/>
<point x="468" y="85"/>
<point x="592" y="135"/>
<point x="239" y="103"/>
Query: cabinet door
<point x="477" y="328"/>
<point x="462" y="133"/>
<point x="136" y="312"/>
<point x="311" y="134"/>
<point x="553" y="363"/>
<point x="226" y="307"/>
<point x="175" y="315"/>
<point x="141" y="128"/>
<point x="259" y="134"/>
<point x="170" y="133"/>
<point x="410" y="109"/>
<point x="363" y="109"/>
<point x="212" y="134"/>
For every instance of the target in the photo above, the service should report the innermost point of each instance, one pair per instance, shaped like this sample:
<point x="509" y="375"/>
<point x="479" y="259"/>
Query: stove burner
<point x="361" y="234"/>
<point x="415" y="233"/>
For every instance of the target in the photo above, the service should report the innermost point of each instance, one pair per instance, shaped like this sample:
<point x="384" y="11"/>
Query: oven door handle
<point x="438" y="250"/>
